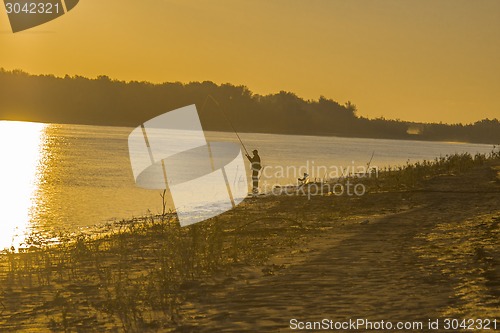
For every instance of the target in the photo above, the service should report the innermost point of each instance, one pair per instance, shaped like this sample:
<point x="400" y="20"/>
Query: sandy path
<point x="393" y="256"/>
<point x="359" y="270"/>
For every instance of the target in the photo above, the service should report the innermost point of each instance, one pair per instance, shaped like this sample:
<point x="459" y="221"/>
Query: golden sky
<point x="421" y="60"/>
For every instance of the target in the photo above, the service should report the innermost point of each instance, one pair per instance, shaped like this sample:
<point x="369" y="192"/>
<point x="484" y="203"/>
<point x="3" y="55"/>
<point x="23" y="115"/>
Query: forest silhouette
<point x="103" y="101"/>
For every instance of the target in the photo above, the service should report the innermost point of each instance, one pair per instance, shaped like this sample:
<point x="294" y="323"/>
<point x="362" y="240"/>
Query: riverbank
<point x="245" y="109"/>
<point x="422" y="243"/>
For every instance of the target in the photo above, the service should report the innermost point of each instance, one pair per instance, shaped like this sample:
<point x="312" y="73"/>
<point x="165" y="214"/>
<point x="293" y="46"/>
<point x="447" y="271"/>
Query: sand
<point x="432" y="252"/>
<point x="391" y="267"/>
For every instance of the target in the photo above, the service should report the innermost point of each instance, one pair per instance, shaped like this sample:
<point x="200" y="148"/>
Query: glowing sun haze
<point x="421" y="60"/>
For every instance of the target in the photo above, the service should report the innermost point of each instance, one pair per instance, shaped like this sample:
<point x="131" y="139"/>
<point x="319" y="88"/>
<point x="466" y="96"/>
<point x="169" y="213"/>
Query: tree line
<point x="103" y="101"/>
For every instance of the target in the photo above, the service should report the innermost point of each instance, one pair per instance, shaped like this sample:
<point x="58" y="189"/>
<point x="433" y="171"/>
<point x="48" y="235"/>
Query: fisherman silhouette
<point x="256" y="166"/>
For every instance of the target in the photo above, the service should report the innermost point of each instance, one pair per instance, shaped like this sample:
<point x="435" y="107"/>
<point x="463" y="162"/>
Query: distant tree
<point x="103" y="101"/>
<point x="351" y="108"/>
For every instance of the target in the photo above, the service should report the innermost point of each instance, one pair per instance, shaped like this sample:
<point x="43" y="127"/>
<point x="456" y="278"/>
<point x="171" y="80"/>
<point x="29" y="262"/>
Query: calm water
<point x="65" y="177"/>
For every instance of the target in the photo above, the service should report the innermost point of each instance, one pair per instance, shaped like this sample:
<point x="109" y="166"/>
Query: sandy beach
<point x="435" y="255"/>
<point x="429" y="252"/>
<point x="232" y="166"/>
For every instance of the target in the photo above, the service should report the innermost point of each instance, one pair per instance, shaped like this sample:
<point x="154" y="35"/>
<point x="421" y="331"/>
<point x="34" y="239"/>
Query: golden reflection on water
<point x="21" y="146"/>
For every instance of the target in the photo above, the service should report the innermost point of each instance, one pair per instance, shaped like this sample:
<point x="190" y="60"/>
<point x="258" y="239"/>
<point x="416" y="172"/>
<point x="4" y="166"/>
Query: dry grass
<point x="136" y="277"/>
<point x="133" y="279"/>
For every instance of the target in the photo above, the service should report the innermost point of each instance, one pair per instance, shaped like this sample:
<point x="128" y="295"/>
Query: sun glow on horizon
<point x="423" y="61"/>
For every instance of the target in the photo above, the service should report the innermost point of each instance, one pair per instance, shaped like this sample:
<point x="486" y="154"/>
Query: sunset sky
<point x="418" y="60"/>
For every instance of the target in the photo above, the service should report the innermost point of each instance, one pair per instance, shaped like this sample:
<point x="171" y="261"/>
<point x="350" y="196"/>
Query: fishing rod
<point x="370" y="161"/>
<point x="227" y="118"/>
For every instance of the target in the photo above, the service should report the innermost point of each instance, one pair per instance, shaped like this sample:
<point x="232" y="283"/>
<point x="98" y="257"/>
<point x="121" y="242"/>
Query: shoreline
<point x="322" y="135"/>
<point x="399" y="252"/>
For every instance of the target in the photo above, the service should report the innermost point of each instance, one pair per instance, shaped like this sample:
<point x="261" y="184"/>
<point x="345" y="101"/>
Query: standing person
<point x="256" y="166"/>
